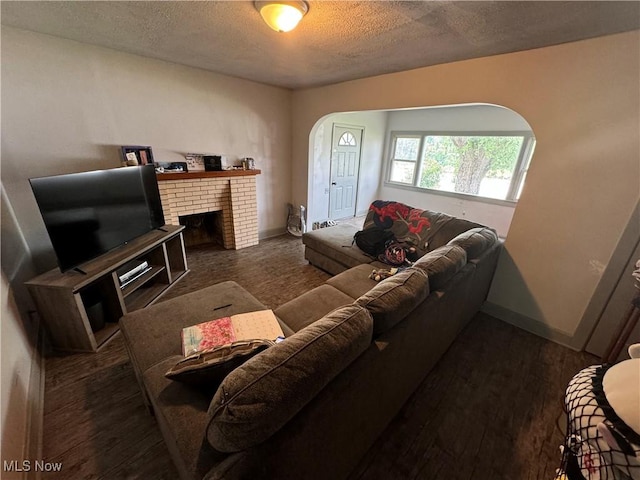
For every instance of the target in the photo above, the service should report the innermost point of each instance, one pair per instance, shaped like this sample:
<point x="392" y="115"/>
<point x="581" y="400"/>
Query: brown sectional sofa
<point x="311" y="406"/>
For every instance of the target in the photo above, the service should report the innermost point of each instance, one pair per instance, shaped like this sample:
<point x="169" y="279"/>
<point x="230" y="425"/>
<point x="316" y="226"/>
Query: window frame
<point x="519" y="171"/>
<point x="416" y="162"/>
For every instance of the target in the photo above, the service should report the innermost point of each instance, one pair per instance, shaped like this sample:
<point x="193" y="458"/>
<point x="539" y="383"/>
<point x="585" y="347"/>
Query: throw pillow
<point x="394" y="298"/>
<point x="441" y="264"/>
<point x="261" y="396"/>
<point x="207" y="369"/>
<point x="475" y="241"/>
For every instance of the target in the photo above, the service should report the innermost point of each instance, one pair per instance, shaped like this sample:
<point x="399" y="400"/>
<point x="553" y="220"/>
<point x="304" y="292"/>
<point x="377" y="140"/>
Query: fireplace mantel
<point x="190" y="175"/>
<point x="233" y="192"/>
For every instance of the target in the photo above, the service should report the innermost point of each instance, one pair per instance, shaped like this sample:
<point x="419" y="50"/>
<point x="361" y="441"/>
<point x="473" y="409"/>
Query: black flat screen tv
<point x="90" y="213"/>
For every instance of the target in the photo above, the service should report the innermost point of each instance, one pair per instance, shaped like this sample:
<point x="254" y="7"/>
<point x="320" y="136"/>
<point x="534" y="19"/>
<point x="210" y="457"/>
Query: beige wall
<point x="16" y="376"/>
<point x="68" y="106"/>
<point x="582" y="102"/>
<point x="21" y="371"/>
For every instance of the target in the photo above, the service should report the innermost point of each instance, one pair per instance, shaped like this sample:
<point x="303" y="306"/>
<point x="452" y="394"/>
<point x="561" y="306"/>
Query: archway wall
<point x="583" y="104"/>
<point x="378" y="126"/>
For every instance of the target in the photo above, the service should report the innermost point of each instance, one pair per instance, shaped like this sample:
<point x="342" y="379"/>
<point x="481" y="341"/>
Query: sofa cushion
<point x="207" y="369"/>
<point x="355" y="282"/>
<point x="445" y="227"/>
<point x="181" y="414"/>
<point x="337" y="243"/>
<point x="441" y="264"/>
<point x="311" y="306"/>
<point x="475" y="241"/>
<point x="393" y="299"/>
<point x="258" y="398"/>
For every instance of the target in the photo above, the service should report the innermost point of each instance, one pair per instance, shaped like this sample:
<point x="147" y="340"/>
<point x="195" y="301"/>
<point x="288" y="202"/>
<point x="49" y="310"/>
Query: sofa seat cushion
<point x="475" y="241"/>
<point x="153" y="333"/>
<point x="311" y="306"/>
<point x="393" y="299"/>
<point x="355" y="282"/>
<point x="258" y="398"/>
<point x="336" y="243"/>
<point x="377" y="265"/>
<point x="441" y="264"/>
<point x="181" y="413"/>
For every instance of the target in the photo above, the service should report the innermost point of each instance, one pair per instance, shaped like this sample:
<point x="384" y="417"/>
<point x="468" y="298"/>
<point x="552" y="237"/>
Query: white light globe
<point x="281" y="17"/>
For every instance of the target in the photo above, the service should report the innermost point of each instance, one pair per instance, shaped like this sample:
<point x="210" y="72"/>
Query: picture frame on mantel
<point x="143" y="155"/>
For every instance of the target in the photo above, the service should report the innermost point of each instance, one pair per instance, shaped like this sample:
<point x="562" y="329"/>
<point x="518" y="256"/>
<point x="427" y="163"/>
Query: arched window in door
<point x="347" y="140"/>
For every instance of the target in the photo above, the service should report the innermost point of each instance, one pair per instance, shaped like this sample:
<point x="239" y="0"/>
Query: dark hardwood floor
<point x="489" y="410"/>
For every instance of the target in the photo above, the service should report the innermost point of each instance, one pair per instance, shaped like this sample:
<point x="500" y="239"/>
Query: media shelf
<point x="81" y="309"/>
<point x="144" y="290"/>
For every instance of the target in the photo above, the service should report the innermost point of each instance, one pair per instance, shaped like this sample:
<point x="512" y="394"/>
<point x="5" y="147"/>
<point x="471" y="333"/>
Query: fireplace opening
<point x="202" y="228"/>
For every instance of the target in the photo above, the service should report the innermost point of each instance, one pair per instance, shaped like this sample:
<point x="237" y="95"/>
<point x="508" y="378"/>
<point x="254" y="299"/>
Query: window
<point x="485" y="165"/>
<point x="347" y="140"/>
<point x="405" y="159"/>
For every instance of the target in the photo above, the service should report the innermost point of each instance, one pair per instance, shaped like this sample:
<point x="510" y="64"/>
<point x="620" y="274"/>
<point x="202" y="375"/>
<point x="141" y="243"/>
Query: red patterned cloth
<point x="409" y="225"/>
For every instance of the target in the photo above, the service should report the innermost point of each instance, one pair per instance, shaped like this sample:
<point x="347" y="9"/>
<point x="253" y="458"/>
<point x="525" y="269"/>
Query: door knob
<point x="333" y="183"/>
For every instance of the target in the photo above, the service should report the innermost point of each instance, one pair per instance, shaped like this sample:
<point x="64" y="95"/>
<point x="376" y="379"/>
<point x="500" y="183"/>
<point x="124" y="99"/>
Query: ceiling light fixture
<point x="282" y="16"/>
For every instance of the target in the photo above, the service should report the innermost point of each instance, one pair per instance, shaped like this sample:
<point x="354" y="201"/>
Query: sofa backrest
<point x="259" y="397"/>
<point x="393" y="299"/>
<point x="475" y="242"/>
<point x="441" y="264"/>
<point x="445" y="228"/>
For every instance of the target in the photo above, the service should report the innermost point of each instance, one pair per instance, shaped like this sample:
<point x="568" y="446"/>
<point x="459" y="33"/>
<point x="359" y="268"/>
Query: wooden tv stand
<point x="74" y="304"/>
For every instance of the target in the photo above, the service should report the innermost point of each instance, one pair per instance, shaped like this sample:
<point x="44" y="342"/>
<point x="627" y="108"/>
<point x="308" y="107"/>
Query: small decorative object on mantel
<point x="208" y="162"/>
<point x="195" y="162"/>
<point x="133" y="155"/>
<point x="248" y="163"/>
<point x="171" y="167"/>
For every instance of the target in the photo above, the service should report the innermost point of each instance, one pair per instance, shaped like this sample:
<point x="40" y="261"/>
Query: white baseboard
<point x="530" y="325"/>
<point x="273" y="232"/>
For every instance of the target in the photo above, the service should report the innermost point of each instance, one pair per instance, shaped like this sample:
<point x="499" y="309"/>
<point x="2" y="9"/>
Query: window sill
<point x="460" y="196"/>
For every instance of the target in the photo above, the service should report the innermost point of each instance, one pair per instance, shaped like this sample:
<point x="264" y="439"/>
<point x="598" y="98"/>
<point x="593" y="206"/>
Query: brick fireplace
<point x="233" y="193"/>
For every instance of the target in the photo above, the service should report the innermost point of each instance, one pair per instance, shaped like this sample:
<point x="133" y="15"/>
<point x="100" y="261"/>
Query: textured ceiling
<point x="335" y="41"/>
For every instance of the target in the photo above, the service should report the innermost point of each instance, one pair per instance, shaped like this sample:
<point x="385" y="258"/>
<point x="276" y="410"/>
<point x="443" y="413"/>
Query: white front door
<point x="345" y="165"/>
